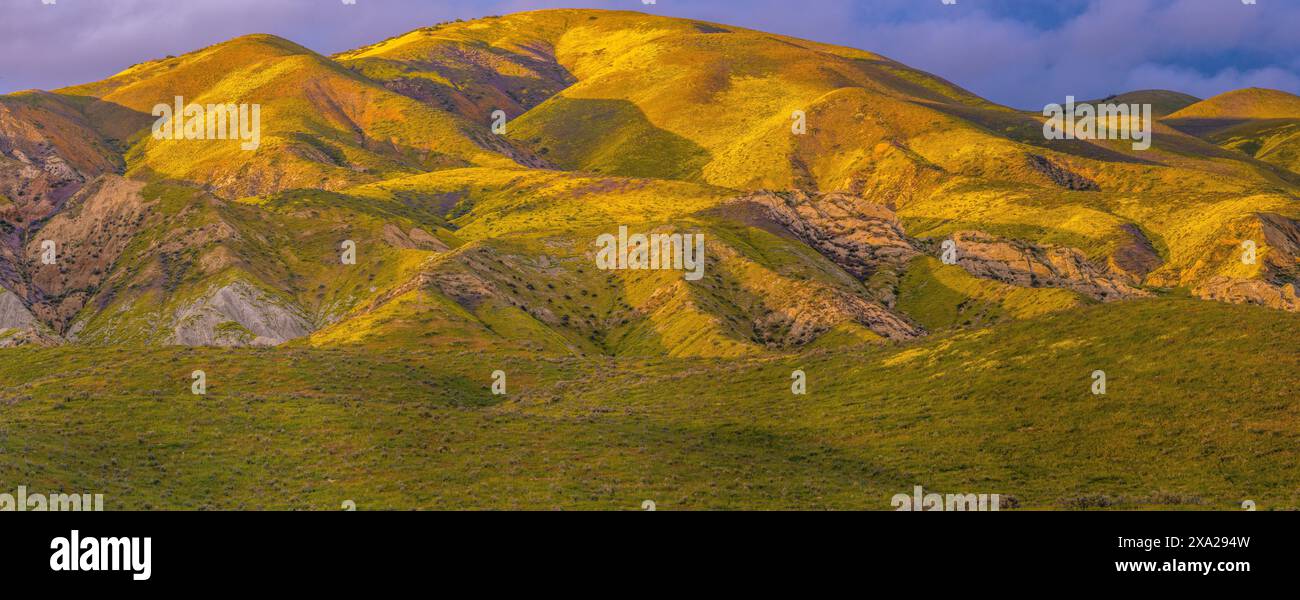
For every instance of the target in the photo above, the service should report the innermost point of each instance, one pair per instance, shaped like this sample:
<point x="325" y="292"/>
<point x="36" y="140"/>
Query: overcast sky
<point x="1023" y="53"/>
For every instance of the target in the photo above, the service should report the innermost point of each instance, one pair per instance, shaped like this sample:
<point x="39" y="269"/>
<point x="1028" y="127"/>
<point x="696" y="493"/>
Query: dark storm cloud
<point x="1024" y="52"/>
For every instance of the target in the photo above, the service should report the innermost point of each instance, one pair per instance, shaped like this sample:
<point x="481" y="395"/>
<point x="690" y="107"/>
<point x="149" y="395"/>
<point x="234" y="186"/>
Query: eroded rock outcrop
<point x="1249" y="291"/>
<point x="1275" y="286"/>
<point x="89" y="236"/>
<point x="855" y="233"/>
<point x="1135" y="258"/>
<point x="819" y="311"/>
<point x="1026" y="265"/>
<point x="17" y="325"/>
<point x="13" y="315"/>
<point x="238" y="314"/>
<point x="1060" y="175"/>
<point x="863" y="237"/>
<point x="47" y="152"/>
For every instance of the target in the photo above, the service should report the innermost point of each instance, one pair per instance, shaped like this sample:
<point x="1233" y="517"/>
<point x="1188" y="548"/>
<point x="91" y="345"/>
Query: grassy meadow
<point x="1005" y="409"/>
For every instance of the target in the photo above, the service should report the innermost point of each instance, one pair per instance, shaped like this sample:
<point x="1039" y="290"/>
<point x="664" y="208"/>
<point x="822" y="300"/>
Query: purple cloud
<point x="1024" y="53"/>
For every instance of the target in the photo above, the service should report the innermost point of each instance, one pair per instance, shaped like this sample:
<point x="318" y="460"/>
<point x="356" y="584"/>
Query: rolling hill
<point x="1261" y="123"/>
<point x="1163" y="102"/>
<point x="326" y="127"/>
<point x="350" y="284"/>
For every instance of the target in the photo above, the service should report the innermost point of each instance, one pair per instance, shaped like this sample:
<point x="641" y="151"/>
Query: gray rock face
<point x="238" y="314"/>
<point x="17" y="325"/>
<point x="855" y="233"/>
<point x="13" y="315"/>
<point x="806" y="320"/>
<point x="1249" y="291"/>
<point x="862" y="237"/>
<point x="1026" y="265"/>
<point x="1277" y="282"/>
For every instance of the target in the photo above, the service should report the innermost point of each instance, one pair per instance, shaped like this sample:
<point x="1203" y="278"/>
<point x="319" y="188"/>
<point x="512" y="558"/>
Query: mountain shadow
<point x="612" y="137"/>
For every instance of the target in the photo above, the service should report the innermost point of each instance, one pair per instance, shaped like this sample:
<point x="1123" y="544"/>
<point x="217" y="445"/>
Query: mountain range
<point x="474" y="235"/>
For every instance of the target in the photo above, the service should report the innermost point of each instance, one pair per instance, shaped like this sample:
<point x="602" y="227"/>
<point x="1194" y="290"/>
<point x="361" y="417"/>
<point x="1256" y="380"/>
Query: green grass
<point x="1001" y="410"/>
<point x="941" y="296"/>
<point x="609" y="136"/>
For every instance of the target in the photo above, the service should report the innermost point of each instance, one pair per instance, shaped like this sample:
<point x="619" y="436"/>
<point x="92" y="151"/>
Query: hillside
<point x="325" y="127"/>
<point x="1252" y="103"/>
<point x="1264" y="124"/>
<point x="396" y="136"/>
<point x="714" y="106"/>
<point x="1163" y="102"/>
<point x="940" y="269"/>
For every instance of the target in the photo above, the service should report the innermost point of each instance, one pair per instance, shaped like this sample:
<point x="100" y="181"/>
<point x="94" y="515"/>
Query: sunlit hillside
<point x="669" y="99"/>
<point x="325" y="127"/>
<point x="1264" y="124"/>
<point x="946" y="278"/>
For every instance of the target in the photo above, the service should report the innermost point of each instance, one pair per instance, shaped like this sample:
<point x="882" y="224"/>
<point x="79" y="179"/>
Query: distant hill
<point x="1261" y="123"/>
<point x="1163" y="102"/>
<point x="1251" y="103"/>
